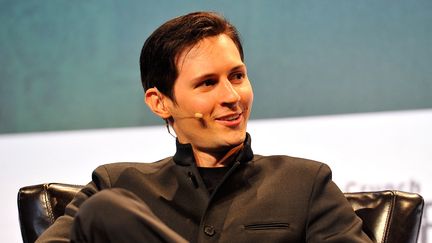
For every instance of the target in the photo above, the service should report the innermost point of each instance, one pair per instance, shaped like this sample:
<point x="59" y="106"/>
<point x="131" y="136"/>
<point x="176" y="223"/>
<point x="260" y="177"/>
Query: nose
<point x="229" y="95"/>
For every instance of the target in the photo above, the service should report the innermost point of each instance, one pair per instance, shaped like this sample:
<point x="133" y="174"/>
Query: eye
<point x="237" y="76"/>
<point x="207" y="83"/>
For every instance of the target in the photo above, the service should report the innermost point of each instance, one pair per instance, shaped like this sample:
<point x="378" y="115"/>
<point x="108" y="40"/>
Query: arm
<point x="60" y="230"/>
<point x="331" y="218"/>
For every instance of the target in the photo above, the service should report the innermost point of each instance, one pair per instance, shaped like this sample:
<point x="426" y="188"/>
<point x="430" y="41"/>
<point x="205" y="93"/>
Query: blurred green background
<point x="68" y="65"/>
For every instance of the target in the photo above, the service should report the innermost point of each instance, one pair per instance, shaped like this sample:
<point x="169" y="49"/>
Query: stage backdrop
<point x="345" y="82"/>
<point x="74" y="64"/>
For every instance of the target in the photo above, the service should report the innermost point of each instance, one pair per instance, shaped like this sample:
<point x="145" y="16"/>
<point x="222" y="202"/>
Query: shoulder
<point x="144" y="166"/>
<point x="291" y="164"/>
<point x="301" y="173"/>
<point x="104" y="175"/>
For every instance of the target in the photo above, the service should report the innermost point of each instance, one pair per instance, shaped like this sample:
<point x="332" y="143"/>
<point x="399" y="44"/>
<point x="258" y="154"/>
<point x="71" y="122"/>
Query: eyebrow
<point x="210" y="75"/>
<point x="241" y="66"/>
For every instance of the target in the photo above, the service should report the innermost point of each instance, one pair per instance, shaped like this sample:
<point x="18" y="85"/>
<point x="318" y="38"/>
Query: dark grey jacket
<point x="261" y="199"/>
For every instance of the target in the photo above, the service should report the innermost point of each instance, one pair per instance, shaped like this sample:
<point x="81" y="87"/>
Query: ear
<point x="155" y="100"/>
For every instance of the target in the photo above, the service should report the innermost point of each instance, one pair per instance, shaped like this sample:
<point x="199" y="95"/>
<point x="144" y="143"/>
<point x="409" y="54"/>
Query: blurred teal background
<point x="68" y="65"/>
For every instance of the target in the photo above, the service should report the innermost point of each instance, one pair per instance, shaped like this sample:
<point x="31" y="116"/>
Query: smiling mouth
<point x="230" y="117"/>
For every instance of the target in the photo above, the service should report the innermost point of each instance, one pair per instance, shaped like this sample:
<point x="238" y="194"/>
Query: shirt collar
<point x="184" y="154"/>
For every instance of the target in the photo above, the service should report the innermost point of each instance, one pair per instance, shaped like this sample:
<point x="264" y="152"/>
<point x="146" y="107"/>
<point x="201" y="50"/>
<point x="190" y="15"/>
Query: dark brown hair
<point x="161" y="50"/>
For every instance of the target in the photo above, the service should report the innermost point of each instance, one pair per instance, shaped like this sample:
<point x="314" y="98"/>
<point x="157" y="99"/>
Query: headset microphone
<point x="197" y="115"/>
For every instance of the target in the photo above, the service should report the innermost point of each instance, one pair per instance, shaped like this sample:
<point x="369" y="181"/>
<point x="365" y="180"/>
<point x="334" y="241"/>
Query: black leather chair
<point x="388" y="216"/>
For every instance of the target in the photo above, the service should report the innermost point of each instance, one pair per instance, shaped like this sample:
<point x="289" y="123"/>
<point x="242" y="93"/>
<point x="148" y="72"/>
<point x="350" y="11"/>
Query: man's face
<point x="212" y="81"/>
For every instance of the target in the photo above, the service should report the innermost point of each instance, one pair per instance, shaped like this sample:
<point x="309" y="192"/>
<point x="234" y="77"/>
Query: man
<point x="214" y="189"/>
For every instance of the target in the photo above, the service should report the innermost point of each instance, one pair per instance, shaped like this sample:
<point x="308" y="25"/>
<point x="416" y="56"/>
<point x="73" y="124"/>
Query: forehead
<point x="209" y="55"/>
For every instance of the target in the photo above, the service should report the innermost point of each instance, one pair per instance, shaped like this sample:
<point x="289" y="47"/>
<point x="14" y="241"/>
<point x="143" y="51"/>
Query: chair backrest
<point x="40" y="205"/>
<point x="388" y="216"/>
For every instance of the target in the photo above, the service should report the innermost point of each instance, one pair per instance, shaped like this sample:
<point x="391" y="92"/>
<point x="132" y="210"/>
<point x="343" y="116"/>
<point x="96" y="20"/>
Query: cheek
<point x="200" y="104"/>
<point x="247" y="95"/>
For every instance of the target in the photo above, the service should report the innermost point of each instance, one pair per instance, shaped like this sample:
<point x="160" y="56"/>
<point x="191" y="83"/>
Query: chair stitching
<point x="48" y="204"/>
<point x="389" y="217"/>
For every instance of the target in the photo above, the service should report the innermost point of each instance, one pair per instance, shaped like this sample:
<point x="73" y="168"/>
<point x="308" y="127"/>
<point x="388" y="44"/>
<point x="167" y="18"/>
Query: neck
<point x="221" y="159"/>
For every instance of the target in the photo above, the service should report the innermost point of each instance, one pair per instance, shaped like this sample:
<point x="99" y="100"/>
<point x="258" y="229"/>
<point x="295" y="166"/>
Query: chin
<point x="236" y="139"/>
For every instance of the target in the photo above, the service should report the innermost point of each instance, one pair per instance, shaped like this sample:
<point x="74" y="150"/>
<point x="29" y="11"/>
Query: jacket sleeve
<point x="60" y="230"/>
<point x="331" y="217"/>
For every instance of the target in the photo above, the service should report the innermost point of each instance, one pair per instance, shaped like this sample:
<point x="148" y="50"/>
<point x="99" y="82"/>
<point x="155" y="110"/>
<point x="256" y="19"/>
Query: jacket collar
<point x="184" y="154"/>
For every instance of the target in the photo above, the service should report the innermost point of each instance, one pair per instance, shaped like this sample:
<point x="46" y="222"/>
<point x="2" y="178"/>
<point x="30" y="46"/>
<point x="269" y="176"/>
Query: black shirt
<point x="212" y="176"/>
